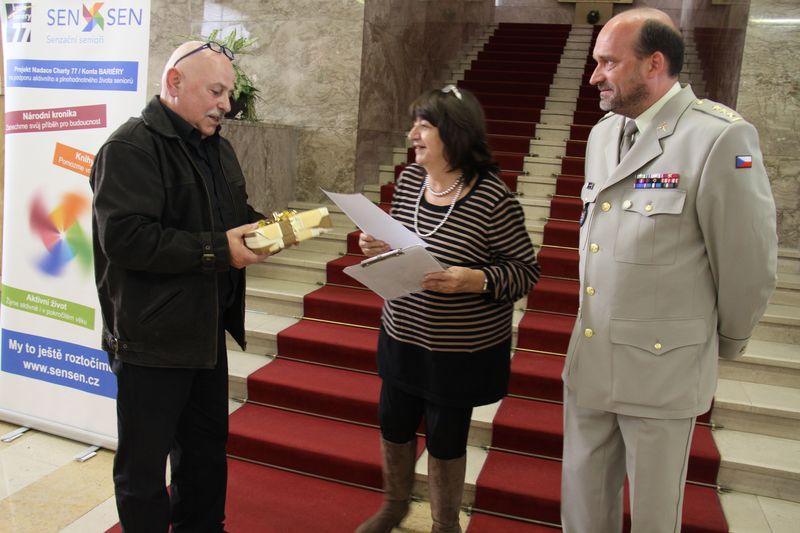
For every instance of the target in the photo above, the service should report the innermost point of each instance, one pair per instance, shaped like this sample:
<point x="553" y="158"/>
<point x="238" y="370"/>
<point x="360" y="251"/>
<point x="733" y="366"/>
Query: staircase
<point x="304" y="448"/>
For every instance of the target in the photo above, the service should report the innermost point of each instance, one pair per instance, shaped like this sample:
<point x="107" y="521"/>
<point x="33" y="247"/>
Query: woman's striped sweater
<point x="485" y="231"/>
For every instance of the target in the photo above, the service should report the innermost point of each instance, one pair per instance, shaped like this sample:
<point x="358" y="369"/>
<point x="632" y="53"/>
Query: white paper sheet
<point x="374" y="221"/>
<point x="395" y="273"/>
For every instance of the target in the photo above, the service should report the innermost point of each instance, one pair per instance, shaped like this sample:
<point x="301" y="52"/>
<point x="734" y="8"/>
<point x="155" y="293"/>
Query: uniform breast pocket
<point x="650" y="226"/>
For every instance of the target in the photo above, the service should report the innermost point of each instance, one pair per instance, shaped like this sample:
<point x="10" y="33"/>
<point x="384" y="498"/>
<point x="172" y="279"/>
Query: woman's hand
<point x="454" y="279"/>
<point x="371" y="246"/>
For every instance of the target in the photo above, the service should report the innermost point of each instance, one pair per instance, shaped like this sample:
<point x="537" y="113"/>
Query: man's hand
<point x="241" y="255"/>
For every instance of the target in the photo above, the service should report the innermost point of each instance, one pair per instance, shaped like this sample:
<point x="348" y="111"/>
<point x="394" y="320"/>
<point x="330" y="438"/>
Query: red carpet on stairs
<point x="317" y="389"/>
<point x="329" y="448"/>
<point x="268" y="500"/>
<point x="330" y="344"/>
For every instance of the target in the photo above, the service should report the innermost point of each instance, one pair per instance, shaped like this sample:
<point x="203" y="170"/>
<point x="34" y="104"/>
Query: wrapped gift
<point x="287" y="228"/>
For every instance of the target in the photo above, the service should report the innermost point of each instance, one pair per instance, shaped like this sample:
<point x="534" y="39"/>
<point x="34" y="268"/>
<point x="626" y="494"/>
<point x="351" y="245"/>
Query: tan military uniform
<point x="678" y="254"/>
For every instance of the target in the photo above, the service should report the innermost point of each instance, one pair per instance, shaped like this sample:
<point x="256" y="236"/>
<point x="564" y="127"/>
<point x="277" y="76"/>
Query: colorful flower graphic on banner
<point x="61" y="234"/>
<point x="93" y="16"/>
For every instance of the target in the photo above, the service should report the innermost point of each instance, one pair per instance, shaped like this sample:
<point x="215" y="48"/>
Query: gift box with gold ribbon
<point x="287" y="228"/>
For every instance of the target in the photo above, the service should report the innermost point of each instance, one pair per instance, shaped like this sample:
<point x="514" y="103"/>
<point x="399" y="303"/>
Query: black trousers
<point x="446" y="428"/>
<point x="181" y="414"/>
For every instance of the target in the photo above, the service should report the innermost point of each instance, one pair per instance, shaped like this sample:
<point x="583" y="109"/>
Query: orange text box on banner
<point x="73" y="159"/>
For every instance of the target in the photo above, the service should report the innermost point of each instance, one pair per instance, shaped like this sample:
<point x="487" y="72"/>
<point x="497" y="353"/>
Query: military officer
<point x="678" y="254"/>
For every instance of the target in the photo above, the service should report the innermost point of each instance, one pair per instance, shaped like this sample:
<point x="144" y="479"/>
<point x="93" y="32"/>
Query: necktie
<point x="627" y="138"/>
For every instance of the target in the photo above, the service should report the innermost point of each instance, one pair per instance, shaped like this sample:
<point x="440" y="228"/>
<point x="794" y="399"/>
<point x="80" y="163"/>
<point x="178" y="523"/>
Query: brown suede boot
<point x="446" y="486"/>
<point x="398" y="479"/>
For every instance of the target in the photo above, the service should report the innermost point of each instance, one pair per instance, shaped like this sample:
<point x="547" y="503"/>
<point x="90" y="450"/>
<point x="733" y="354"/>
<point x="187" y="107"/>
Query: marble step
<point x="789" y="261"/>
<point x="542" y="166"/>
<point x="562" y="82"/>
<point x="780" y="323"/>
<point x="570" y="72"/>
<point x="759" y="464"/>
<point x="399" y="156"/>
<point x="564" y="105"/>
<point x="788" y="290"/>
<point x="294" y="264"/>
<point x="385" y="174"/>
<point x="536" y="233"/>
<point x="261" y="332"/>
<point x="548" y="148"/>
<point x="556" y="118"/>
<point x="553" y="132"/>
<point x="758" y="408"/>
<point x="748" y="513"/>
<point x="240" y="365"/>
<point x="535" y="209"/>
<point x="373" y="190"/>
<point x="570" y="91"/>
<point x="536" y="186"/>
<point x="765" y="362"/>
<point x="277" y="296"/>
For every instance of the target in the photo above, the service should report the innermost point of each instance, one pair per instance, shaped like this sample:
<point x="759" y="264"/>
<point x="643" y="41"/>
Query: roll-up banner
<point x="74" y="71"/>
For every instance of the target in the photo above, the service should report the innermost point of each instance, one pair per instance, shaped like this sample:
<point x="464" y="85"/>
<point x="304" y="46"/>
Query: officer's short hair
<point x="655" y="36"/>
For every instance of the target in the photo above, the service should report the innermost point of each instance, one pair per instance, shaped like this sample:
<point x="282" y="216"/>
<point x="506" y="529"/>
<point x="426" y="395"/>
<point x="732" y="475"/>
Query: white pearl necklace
<point x="459" y="184"/>
<point x="444" y="192"/>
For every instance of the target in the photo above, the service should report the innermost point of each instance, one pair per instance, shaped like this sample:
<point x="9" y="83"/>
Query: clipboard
<point x="395" y="273"/>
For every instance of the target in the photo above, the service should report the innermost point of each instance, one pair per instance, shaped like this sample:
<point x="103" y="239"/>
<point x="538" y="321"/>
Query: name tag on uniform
<point x="664" y="180"/>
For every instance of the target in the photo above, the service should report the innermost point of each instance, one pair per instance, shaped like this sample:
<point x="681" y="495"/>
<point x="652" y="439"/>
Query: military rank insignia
<point x="744" y="161"/>
<point x="666" y="180"/>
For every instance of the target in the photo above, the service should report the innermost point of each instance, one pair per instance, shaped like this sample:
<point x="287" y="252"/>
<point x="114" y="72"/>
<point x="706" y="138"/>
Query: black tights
<point x="446" y="428"/>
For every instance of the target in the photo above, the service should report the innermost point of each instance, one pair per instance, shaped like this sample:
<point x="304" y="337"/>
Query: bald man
<point x="678" y="255"/>
<point x="169" y="214"/>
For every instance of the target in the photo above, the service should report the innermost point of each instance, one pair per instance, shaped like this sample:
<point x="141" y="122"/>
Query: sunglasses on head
<point x="452" y="89"/>
<point x="211" y="45"/>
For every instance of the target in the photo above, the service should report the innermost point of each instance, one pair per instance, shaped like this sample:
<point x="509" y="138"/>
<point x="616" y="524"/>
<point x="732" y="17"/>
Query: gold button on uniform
<point x="648" y="207"/>
<point x="657" y="346"/>
<point x="594" y="247"/>
<point x="588" y="332"/>
<point x="605" y="206"/>
<point x="590" y="291"/>
<point x="627" y="204"/>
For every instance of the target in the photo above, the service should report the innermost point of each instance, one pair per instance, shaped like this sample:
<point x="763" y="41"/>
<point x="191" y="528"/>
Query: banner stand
<point x="74" y="72"/>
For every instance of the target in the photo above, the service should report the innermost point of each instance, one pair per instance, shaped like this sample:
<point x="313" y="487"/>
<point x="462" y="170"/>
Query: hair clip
<point x="452" y="88"/>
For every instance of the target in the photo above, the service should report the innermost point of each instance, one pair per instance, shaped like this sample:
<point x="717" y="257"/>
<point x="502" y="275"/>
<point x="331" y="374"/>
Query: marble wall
<point x="769" y="97"/>
<point x="268" y="155"/>
<point x="406" y="44"/>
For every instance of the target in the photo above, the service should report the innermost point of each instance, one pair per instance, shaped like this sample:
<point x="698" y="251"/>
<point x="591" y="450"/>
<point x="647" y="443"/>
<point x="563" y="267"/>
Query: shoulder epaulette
<point x="716" y="110"/>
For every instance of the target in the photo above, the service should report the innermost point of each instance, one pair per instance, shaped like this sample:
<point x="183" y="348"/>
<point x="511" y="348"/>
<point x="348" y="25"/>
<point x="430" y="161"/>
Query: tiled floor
<point x="44" y="489"/>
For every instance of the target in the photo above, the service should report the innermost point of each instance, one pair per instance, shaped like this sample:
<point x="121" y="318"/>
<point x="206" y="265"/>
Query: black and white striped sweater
<point x="485" y="231"/>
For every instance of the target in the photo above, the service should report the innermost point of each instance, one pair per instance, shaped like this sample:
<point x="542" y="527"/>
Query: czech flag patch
<point x="744" y="161"/>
